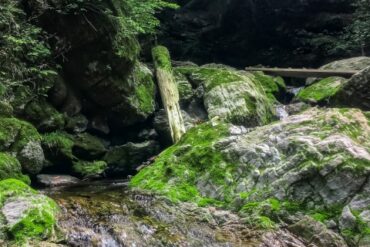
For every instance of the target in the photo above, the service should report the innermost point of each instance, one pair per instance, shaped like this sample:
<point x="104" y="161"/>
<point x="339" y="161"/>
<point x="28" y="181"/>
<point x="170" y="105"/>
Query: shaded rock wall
<point x="270" y="32"/>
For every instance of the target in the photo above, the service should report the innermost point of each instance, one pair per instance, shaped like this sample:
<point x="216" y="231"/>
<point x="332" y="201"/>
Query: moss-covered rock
<point x="58" y="149"/>
<point x="88" y="147"/>
<point x="23" y="139"/>
<point x="11" y="168"/>
<point x="27" y="214"/>
<point x="232" y="95"/>
<point x="313" y="163"/>
<point x="321" y="91"/>
<point x="273" y="86"/>
<point x="143" y="97"/>
<point x="44" y="116"/>
<point x="90" y="168"/>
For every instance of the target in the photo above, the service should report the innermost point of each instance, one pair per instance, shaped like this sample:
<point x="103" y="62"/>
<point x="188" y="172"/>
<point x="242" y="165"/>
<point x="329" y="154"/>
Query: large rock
<point x="101" y="71"/>
<point x="337" y="91"/>
<point x="229" y="94"/>
<point x="23" y="139"/>
<point x="354" y="63"/>
<point x="246" y="32"/>
<point x="313" y="163"/>
<point x="355" y="92"/>
<point x="27" y="214"/>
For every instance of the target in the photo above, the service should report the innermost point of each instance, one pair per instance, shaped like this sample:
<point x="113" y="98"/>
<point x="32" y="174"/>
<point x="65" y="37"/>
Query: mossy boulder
<point x="44" y="116"/>
<point x="314" y="163"/>
<point x="274" y="87"/>
<point x="143" y="98"/>
<point x="233" y="95"/>
<point x="27" y="214"/>
<point x="11" y="168"/>
<point x="58" y="148"/>
<point x="22" y="138"/>
<point x="89" y="147"/>
<point x="355" y="92"/>
<point x="321" y="92"/>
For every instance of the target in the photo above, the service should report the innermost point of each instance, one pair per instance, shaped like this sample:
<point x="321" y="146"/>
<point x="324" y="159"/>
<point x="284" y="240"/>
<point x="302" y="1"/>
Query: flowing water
<point x="111" y="215"/>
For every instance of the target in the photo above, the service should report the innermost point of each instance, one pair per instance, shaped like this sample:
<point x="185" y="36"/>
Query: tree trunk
<point x="169" y="91"/>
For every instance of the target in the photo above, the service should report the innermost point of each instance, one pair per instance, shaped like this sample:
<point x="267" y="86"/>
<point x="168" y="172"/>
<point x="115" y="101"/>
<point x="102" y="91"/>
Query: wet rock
<point x="56" y="180"/>
<point x="126" y="158"/>
<point x="136" y="218"/>
<point x="296" y="108"/>
<point x="316" y="233"/>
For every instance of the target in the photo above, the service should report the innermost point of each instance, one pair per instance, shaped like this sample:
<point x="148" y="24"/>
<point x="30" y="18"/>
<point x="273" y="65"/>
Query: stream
<point x="108" y="214"/>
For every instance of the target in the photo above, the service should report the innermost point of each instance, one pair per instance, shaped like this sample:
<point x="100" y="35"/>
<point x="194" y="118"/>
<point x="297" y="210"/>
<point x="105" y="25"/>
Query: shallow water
<point x="108" y="214"/>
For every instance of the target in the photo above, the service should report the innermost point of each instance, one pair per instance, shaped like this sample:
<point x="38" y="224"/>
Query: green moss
<point x="59" y="142"/>
<point x="162" y="58"/>
<point x="321" y="91"/>
<point x="175" y="171"/>
<point x="12" y="187"/>
<point x="15" y="134"/>
<point x="215" y="79"/>
<point x="211" y="77"/>
<point x="43" y="115"/>
<point x="37" y="223"/>
<point x="271" y="85"/>
<point x="89" y="168"/>
<point x="88" y="146"/>
<point x="11" y="168"/>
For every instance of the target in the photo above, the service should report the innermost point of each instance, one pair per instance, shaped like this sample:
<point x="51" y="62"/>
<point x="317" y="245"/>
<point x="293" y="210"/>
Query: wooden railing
<point x="303" y="73"/>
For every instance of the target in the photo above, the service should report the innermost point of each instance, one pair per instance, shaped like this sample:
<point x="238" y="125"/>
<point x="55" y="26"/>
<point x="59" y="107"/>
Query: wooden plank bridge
<point x="303" y="73"/>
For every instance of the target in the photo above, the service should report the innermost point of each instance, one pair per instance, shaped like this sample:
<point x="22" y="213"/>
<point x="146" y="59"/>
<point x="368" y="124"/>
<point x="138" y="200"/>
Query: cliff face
<point x="251" y="32"/>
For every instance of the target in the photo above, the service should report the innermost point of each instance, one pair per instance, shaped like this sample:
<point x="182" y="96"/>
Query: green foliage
<point x="24" y="53"/>
<point x="87" y="169"/>
<point x="357" y="34"/>
<point x="59" y="142"/>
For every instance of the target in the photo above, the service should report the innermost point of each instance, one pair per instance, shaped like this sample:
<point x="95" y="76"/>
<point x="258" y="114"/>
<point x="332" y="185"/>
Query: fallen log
<point x="168" y="91"/>
<point x="303" y="73"/>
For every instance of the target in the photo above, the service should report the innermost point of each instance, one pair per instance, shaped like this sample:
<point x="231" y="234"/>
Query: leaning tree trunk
<point x="169" y="91"/>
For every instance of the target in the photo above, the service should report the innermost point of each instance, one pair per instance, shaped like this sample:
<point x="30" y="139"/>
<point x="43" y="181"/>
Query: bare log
<point x="304" y="73"/>
<point x="169" y="91"/>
